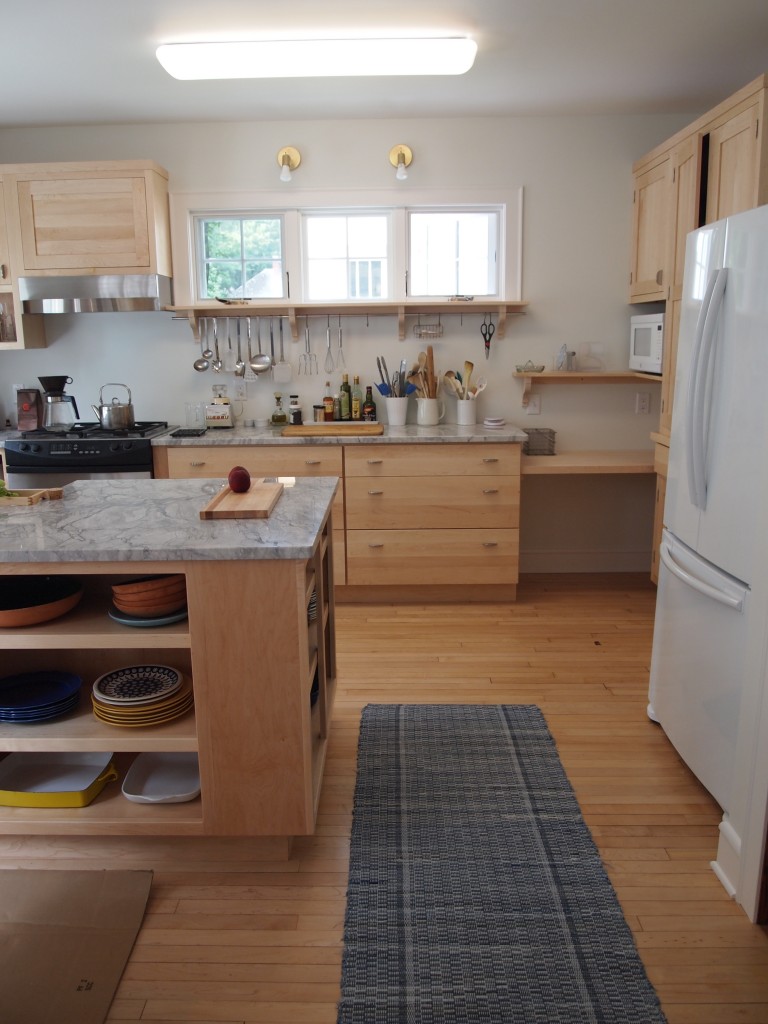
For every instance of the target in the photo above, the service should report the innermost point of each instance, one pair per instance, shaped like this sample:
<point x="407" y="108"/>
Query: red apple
<point x="239" y="479"/>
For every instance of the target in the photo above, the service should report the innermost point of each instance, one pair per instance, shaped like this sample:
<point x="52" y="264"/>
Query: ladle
<point x="201" y="364"/>
<point x="216" y="364"/>
<point x="240" y="364"/>
<point x="207" y="354"/>
<point x="260" y="363"/>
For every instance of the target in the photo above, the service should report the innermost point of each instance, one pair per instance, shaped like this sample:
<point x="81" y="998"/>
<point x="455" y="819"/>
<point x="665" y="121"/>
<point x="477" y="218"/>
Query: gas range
<point x="84" y="447"/>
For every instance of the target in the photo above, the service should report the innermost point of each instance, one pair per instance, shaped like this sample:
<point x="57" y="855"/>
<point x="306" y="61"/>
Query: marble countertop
<point x="159" y="520"/>
<point x="450" y="433"/>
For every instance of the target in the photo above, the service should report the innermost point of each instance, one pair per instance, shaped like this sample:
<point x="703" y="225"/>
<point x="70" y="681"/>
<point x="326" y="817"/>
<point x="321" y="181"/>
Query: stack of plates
<point x="494" y="421"/>
<point x="141" y="695"/>
<point x="38" y="696"/>
<point x="312" y="607"/>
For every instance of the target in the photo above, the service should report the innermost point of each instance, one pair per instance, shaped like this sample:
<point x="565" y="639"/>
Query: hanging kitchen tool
<point x="282" y="372"/>
<point x="260" y="363"/>
<point x="207" y="354"/>
<point x="421" y="330"/>
<point x="330" y="365"/>
<point x="217" y="363"/>
<point x="487" y="330"/>
<point x="340" y="363"/>
<point x="240" y="364"/>
<point x="201" y="364"/>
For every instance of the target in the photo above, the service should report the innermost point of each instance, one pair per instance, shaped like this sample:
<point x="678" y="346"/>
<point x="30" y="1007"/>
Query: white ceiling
<point x="92" y="61"/>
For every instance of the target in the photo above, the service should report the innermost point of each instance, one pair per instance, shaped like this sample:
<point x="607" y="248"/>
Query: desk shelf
<point x="584" y="462"/>
<point x="574" y="377"/>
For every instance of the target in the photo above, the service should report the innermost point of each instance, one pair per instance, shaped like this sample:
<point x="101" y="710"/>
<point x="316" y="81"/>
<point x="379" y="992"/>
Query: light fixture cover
<point x="318" y="58"/>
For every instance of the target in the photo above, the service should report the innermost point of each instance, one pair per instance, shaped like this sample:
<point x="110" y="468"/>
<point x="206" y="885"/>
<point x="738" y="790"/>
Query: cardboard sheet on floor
<point x="65" y="938"/>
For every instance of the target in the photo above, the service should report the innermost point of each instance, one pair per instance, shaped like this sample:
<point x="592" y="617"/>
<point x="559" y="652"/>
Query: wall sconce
<point x="288" y="160"/>
<point x="400" y="157"/>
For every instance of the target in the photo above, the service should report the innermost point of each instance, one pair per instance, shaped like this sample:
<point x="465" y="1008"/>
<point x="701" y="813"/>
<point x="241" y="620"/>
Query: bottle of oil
<point x="357" y="399"/>
<point x="279" y="415"/>
<point x="369" y="406"/>
<point x="345" y="398"/>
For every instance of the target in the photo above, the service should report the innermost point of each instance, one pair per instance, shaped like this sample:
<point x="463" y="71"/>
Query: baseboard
<point x="556" y="561"/>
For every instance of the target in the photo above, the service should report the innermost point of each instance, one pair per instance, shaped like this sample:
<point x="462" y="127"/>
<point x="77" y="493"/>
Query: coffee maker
<point x="29" y="409"/>
<point x="59" y="409"/>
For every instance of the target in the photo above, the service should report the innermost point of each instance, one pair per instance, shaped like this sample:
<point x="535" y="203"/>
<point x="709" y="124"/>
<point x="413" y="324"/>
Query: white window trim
<point x="184" y="206"/>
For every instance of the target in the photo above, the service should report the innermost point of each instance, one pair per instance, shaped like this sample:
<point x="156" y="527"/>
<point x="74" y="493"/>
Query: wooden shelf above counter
<point x="574" y="377"/>
<point x="502" y="311"/>
<point x="583" y="462"/>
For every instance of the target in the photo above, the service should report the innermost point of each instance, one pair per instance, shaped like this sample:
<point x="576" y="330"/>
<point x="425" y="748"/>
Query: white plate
<point x="137" y="683"/>
<point x="163" y="778"/>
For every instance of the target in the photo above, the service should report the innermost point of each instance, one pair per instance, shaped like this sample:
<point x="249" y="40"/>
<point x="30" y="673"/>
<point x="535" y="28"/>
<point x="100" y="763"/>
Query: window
<point x="240" y="257"/>
<point x="346" y="256"/>
<point x="453" y="252"/>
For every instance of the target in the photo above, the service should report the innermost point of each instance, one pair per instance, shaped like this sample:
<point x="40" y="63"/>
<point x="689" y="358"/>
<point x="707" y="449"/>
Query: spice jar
<point x="294" y="410"/>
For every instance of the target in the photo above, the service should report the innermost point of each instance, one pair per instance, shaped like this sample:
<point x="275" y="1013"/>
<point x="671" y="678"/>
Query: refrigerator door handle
<point x="729" y="600"/>
<point x="696" y="412"/>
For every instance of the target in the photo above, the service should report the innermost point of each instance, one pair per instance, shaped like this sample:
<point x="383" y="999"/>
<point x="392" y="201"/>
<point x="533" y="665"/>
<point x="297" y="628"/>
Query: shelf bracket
<point x="293" y="323"/>
<point x="527" y="384"/>
<point x="501" y="326"/>
<point x="401" y="323"/>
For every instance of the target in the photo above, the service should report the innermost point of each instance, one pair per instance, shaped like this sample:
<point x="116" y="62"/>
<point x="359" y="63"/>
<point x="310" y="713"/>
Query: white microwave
<point x="646" y="342"/>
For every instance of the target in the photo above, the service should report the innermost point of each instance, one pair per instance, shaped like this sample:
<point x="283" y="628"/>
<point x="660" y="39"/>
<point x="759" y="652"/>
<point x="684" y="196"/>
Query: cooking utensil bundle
<point x="461" y="386"/>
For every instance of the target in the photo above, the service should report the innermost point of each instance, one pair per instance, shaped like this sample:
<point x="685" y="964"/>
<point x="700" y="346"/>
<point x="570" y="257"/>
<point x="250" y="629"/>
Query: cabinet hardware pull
<point x="659" y="276"/>
<point x="311" y="462"/>
<point x="197" y="463"/>
<point x="490" y="490"/>
<point x="374" y="462"/>
<point x="490" y="460"/>
<point x="490" y="544"/>
<point x="379" y="545"/>
<point x="375" y="492"/>
<point x="3" y="271"/>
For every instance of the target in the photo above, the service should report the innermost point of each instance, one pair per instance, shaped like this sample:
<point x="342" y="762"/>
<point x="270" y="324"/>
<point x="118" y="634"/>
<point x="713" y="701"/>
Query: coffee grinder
<point x="29" y="409"/>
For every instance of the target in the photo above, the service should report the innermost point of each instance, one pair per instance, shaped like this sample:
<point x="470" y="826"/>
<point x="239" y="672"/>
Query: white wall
<point x="576" y="232"/>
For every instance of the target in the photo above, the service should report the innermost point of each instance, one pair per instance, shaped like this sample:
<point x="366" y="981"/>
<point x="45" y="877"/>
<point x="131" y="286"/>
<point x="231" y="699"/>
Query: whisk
<point x="330" y="366"/>
<point x="340" y="364"/>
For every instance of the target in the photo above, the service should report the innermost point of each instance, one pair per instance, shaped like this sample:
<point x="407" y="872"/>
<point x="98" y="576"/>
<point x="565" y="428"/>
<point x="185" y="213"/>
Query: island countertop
<point x="159" y="520"/>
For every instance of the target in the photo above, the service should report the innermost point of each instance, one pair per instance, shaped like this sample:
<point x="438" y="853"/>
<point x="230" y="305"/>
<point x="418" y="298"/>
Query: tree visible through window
<point x="240" y="257"/>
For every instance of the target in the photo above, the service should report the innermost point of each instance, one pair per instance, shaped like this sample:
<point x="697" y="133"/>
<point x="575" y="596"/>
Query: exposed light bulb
<point x="285" y="170"/>
<point x="402" y="171"/>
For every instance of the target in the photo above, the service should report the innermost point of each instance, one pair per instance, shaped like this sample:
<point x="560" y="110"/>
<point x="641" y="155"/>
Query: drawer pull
<point x="379" y="545"/>
<point x="374" y="462"/>
<point x="490" y="460"/>
<point x="490" y="490"/>
<point x="375" y="492"/>
<point x="3" y="271"/>
<point x="312" y="462"/>
<point x="197" y="463"/>
<point x="490" y="544"/>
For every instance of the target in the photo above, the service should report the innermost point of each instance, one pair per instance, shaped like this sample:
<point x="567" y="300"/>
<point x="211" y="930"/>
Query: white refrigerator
<point x="710" y="615"/>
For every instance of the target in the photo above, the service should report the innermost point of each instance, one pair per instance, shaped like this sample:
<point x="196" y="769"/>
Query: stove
<point x="82" y="451"/>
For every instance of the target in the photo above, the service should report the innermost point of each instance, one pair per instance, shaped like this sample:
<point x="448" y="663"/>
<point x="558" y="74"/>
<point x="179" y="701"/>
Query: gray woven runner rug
<point x="476" y="894"/>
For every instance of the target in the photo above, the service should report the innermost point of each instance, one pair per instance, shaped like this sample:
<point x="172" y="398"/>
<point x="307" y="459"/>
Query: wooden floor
<point x="230" y="940"/>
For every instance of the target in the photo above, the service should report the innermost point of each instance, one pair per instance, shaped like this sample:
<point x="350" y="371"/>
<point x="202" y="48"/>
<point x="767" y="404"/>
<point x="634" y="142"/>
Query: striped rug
<point x="476" y="893"/>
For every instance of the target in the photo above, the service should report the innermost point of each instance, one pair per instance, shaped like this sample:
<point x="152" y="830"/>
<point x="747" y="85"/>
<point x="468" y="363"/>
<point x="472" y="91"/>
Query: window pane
<point x="239" y="257"/>
<point x="453" y="253"/>
<point x="346" y="256"/>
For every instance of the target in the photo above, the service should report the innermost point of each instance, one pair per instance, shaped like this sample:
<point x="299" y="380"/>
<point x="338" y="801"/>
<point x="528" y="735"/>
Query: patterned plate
<point x="138" y="683"/>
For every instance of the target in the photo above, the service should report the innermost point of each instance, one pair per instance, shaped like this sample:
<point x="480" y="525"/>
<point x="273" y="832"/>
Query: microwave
<point x="646" y="342"/>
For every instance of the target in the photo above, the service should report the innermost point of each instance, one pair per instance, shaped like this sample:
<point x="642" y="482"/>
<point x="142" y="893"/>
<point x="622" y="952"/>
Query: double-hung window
<point x="346" y="255"/>
<point x="239" y="256"/>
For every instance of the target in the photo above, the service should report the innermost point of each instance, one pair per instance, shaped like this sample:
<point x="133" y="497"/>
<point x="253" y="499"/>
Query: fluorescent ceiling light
<point x="318" y="58"/>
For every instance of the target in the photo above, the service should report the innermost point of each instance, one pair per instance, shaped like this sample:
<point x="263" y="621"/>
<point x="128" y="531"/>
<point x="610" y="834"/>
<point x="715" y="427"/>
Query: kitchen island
<point x="258" y="646"/>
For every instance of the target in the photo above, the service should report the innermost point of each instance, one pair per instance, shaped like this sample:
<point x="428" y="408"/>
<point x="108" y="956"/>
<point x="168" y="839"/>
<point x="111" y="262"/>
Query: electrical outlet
<point x="241" y="390"/>
<point x="642" y="403"/>
<point x="534" y="405"/>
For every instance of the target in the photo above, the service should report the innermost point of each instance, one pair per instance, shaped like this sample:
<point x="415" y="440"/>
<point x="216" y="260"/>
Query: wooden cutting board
<point x="32" y="497"/>
<point x="255" y="503"/>
<point x="332" y="429"/>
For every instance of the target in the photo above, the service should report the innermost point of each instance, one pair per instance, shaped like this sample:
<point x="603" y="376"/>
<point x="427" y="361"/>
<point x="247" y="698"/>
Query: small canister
<point x="319" y="412"/>
<point x="294" y="411"/>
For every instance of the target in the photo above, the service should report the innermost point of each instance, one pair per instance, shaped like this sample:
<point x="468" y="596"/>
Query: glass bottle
<point x="369" y="406"/>
<point x="328" y="401"/>
<point x="345" y="398"/>
<point x="357" y="399"/>
<point x="279" y="416"/>
<point x="294" y="411"/>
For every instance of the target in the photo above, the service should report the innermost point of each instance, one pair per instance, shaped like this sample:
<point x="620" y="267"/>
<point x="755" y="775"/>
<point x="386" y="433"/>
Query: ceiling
<point x="92" y="62"/>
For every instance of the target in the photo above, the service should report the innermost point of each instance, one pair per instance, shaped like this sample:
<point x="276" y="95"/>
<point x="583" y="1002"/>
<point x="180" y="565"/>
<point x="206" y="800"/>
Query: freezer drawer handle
<point x="693" y="581"/>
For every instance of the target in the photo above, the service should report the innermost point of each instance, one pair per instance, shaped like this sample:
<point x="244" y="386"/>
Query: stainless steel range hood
<point x="113" y="293"/>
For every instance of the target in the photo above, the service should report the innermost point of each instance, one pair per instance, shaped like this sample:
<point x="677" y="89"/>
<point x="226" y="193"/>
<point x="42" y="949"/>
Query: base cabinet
<point x="259" y="649"/>
<point x="432" y="514"/>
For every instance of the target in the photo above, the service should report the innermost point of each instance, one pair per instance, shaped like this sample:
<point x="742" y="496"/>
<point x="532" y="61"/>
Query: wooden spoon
<point x="468" y="368"/>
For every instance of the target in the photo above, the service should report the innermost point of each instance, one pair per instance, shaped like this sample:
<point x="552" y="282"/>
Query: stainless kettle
<point x="116" y="415"/>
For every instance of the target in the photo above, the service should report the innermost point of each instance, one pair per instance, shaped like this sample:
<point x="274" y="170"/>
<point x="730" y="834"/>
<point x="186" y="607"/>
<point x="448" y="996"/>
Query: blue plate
<point x="43" y="715"/>
<point x="134" y="620"/>
<point x="35" y="691"/>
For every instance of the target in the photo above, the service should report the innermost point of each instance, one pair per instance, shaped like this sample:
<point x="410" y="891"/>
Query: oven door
<point x="18" y="479"/>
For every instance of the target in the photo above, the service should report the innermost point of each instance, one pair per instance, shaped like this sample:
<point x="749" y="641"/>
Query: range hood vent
<point x="108" y="293"/>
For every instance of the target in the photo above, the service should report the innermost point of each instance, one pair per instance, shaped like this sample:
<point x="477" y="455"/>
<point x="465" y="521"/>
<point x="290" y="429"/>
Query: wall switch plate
<point x="534" y="405"/>
<point x="241" y="390"/>
<point x="642" y="402"/>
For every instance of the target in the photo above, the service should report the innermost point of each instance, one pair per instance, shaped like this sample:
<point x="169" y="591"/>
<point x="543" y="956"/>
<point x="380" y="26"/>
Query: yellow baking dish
<point x="70" y="779"/>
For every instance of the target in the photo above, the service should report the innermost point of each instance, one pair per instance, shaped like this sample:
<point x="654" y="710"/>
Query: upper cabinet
<point x="88" y="218"/>
<point x="5" y="263"/>
<point x="651" y="205"/>
<point x="734" y="165"/>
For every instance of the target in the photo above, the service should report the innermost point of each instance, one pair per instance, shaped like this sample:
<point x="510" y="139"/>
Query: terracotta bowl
<point x="152" y="596"/>
<point x="149" y="584"/>
<point x="153" y="610"/>
<point x="28" y="600"/>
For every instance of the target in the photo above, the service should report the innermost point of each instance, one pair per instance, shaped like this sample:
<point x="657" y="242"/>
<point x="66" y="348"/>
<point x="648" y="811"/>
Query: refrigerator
<point x="710" y="611"/>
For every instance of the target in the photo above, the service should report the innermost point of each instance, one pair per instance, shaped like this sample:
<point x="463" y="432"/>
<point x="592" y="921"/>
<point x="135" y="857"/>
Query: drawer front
<point x="432" y="556"/>
<point x="339" y="558"/>
<point x="393" y="503"/>
<point x="425" y="460"/>
<point x="204" y="463"/>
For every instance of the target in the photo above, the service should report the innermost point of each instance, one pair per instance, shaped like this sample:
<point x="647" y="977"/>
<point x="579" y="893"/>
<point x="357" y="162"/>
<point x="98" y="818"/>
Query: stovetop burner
<point x="143" y="428"/>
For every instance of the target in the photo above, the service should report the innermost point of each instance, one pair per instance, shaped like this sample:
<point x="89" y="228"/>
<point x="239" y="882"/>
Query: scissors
<point x="487" y="330"/>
